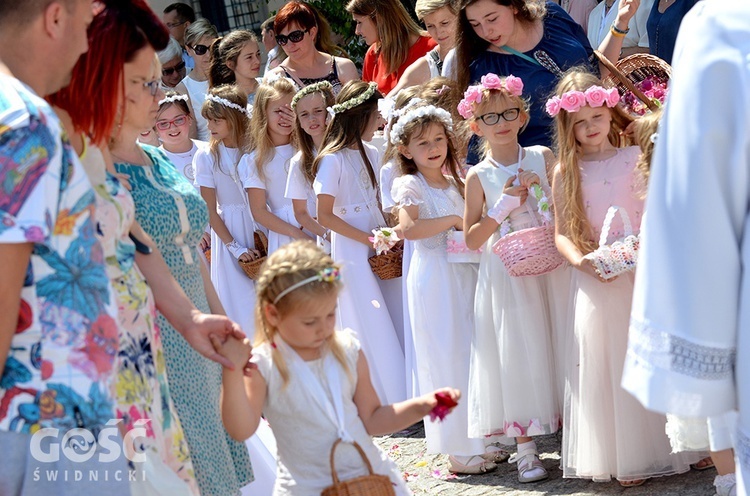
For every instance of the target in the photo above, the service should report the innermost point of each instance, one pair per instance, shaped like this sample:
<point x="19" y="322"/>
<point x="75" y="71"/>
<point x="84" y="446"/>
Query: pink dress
<point x="608" y="434"/>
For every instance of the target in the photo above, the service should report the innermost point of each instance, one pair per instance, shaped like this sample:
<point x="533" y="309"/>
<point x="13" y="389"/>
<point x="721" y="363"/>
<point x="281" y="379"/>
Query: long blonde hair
<point x="260" y="142"/>
<point x="237" y="121"/>
<point x="395" y="26"/>
<point x="285" y="267"/>
<point x="572" y="212"/>
<point x="304" y="140"/>
<point x="644" y="135"/>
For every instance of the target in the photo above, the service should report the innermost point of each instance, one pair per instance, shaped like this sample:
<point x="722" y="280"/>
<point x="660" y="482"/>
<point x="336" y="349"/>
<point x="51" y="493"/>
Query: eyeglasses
<point x="178" y="121"/>
<point x="168" y="71"/>
<point x="492" y="118"/>
<point x="172" y="25"/>
<point x="294" y="37"/>
<point x="200" y="49"/>
<point x="153" y="86"/>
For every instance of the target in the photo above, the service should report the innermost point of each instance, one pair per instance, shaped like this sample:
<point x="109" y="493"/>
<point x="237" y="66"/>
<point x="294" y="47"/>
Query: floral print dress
<point x="140" y="388"/>
<point x="173" y="213"/>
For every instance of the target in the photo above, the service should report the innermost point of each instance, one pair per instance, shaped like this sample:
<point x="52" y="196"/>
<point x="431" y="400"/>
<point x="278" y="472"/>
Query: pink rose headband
<point x="473" y="95"/>
<point x="573" y="101"/>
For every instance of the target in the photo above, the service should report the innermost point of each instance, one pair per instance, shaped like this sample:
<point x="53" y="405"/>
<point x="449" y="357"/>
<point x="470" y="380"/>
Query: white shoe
<point x="726" y="485"/>
<point x="530" y="468"/>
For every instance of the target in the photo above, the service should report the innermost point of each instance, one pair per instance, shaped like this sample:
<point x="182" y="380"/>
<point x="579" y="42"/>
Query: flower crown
<point x="353" y="102"/>
<point x="275" y="76"/>
<point x="573" y="101"/>
<point x="172" y="99"/>
<point x="473" y="95"/>
<point x="320" y="86"/>
<point x="329" y="274"/>
<point x="227" y="103"/>
<point x="386" y="107"/>
<point x="428" y="110"/>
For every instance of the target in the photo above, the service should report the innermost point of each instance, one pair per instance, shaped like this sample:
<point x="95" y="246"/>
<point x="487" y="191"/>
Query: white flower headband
<point x="227" y="103"/>
<point x="428" y="110"/>
<point x="320" y="86"/>
<point x="172" y="99"/>
<point x="353" y="102"/>
<point x="389" y="114"/>
<point x="275" y="76"/>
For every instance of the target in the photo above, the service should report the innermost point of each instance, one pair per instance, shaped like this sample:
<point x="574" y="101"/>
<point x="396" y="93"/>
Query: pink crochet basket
<point x="529" y="252"/>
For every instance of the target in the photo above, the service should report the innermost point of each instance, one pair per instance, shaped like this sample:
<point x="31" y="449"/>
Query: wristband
<point x="503" y="207"/>
<point x="618" y="32"/>
<point x="236" y="249"/>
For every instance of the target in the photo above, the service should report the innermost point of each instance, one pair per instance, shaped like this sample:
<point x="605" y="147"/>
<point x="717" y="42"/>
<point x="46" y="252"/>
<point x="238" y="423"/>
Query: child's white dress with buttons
<point x="305" y="434"/>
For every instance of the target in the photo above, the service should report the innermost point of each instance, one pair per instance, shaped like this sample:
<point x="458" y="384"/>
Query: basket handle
<point x="608" y="223"/>
<point x="361" y="453"/>
<point x="625" y="81"/>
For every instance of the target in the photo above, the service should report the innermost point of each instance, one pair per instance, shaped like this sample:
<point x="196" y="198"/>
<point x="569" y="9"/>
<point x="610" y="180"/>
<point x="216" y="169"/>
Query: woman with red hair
<point x="305" y="37"/>
<point x="163" y="367"/>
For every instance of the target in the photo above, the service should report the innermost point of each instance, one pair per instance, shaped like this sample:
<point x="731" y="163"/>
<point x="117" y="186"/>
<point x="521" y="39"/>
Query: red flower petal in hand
<point x="444" y="405"/>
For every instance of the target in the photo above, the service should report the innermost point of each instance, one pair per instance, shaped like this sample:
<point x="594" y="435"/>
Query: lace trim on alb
<point x="679" y="355"/>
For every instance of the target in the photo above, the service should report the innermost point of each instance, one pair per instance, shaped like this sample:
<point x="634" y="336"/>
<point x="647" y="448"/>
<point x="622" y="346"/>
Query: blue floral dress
<point x="173" y="213"/>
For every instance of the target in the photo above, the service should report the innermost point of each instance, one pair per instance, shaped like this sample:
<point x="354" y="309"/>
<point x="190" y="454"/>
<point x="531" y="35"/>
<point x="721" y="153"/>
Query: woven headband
<point x="227" y="103"/>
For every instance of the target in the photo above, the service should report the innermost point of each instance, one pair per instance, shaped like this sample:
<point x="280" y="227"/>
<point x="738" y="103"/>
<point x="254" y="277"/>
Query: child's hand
<point x="519" y="191"/>
<point x="246" y="257"/>
<point x="527" y="178"/>
<point x="205" y="243"/>
<point x="459" y="224"/>
<point x="286" y="115"/>
<point x="587" y="266"/>
<point x="236" y="351"/>
<point x="442" y="402"/>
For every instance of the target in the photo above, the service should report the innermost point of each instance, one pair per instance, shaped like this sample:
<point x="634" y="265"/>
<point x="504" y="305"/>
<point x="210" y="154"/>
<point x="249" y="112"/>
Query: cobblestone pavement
<point x="428" y="474"/>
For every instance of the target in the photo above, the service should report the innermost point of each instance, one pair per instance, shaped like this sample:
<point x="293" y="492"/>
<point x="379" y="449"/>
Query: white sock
<point x="524" y="448"/>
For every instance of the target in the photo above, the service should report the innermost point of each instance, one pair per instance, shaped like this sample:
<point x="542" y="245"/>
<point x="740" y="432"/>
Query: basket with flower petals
<point x="387" y="263"/>
<point x="641" y="79"/>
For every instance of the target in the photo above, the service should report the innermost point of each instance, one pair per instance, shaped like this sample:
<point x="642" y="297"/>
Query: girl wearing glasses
<point x="173" y="128"/>
<point x="198" y="39"/>
<point x="305" y="37"/>
<point x="512" y="386"/>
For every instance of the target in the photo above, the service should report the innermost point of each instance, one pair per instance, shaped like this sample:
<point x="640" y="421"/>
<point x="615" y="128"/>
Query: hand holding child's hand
<point x="235" y="350"/>
<point x="519" y="191"/>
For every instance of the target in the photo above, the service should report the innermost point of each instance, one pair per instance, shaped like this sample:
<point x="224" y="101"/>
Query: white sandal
<point x="726" y="485"/>
<point x="530" y="468"/>
<point x="481" y="466"/>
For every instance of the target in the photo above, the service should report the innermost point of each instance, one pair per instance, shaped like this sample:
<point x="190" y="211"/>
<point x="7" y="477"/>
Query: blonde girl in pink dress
<point x="607" y="433"/>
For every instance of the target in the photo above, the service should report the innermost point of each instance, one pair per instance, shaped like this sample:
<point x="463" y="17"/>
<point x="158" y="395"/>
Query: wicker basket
<point x="389" y="265"/>
<point x="529" y="252"/>
<point x="366" y="485"/>
<point x="252" y="269"/>
<point x="630" y="71"/>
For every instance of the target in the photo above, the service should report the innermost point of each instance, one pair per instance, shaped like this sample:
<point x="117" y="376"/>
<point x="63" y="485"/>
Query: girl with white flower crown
<point x="347" y="188"/>
<point x="440" y="295"/>
<point x="513" y="390"/>
<point x="228" y="212"/>
<point x="265" y="169"/>
<point x="311" y="381"/>
<point x="310" y="104"/>
<point x="608" y="434"/>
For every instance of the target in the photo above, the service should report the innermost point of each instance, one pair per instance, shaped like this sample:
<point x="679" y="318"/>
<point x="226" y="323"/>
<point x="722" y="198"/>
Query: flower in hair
<point x="385" y="107"/>
<point x="397" y="133"/>
<point x="329" y="275"/>
<point x="227" y="103"/>
<point x="172" y="99"/>
<point x="573" y="101"/>
<point x="320" y="86"/>
<point x="275" y="76"/>
<point x="473" y="95"/>
<point x="353" y="102"/>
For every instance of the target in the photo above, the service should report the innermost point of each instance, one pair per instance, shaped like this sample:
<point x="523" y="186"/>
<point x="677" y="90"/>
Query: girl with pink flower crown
<point x="607" y="432"/>
<point x="512" y="385"/>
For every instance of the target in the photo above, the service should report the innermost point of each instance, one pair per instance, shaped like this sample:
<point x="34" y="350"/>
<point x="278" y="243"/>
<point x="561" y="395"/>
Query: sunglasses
<point x="178" y="121"/>
<point x="172" y="25"/>
<point x="492" y="118"/>
<point x="294" y="37"/>
<point x="168" y="71"/>
<point x="200" y="49"/>
<point x="153" y="86"/>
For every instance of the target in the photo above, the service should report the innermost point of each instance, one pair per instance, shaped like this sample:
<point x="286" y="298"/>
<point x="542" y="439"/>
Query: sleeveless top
<point x="332" y="77"/>
<point x="197" y="92"/>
